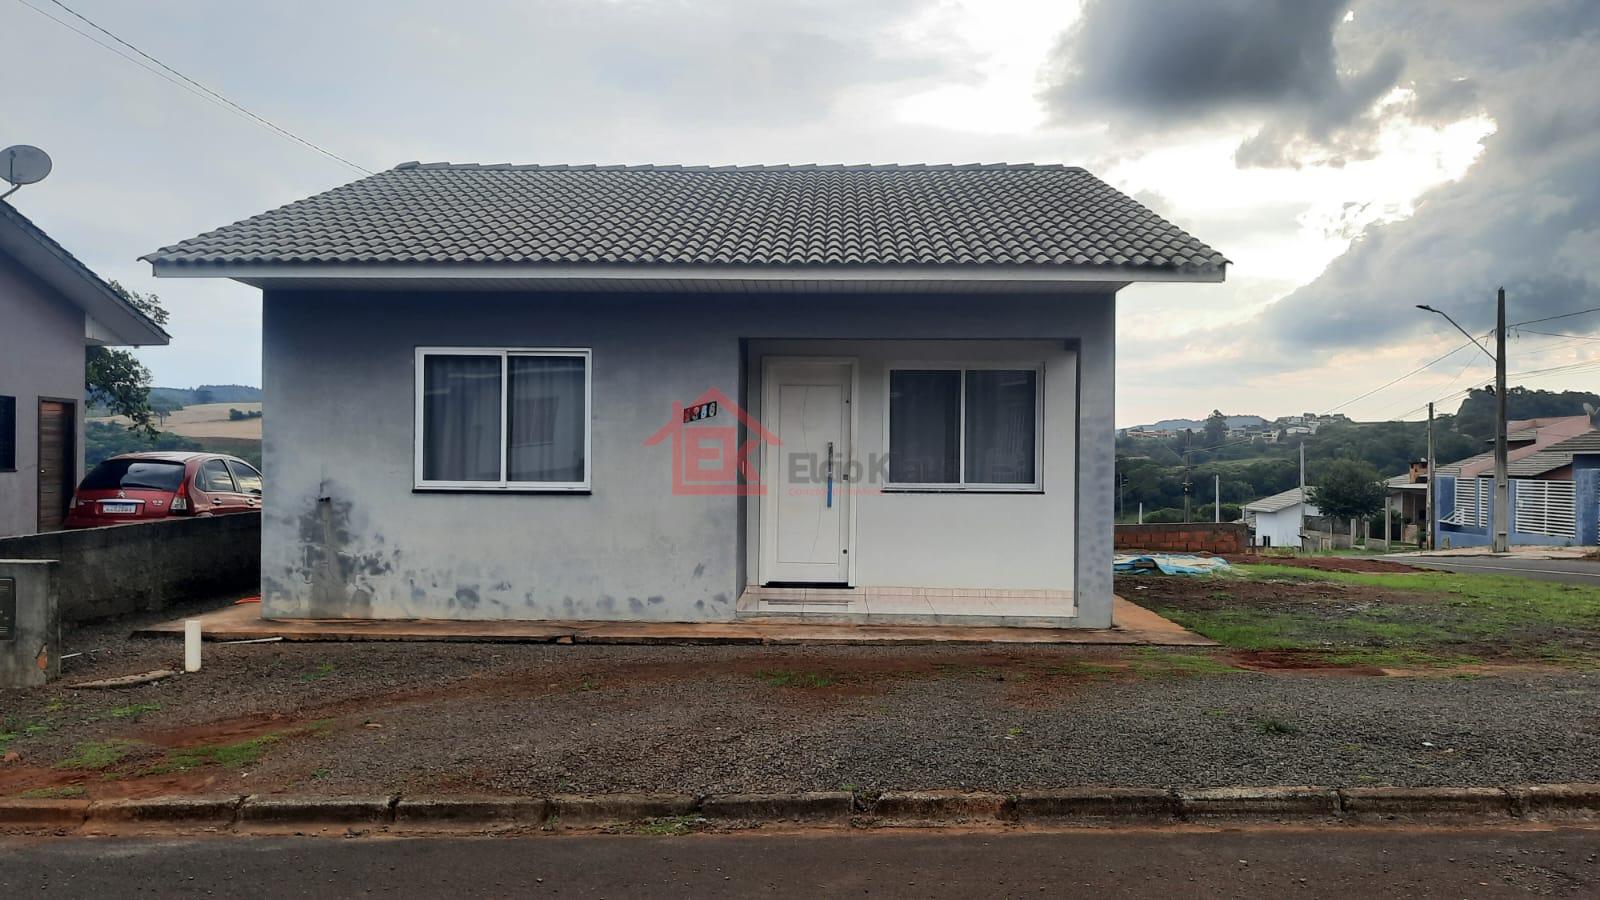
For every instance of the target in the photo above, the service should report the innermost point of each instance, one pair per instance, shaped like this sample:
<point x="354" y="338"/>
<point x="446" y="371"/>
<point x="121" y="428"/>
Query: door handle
<point x="830" y="475"/>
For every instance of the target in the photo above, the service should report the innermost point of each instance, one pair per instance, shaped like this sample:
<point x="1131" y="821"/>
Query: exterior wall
<point x="1018" y="541"/>
<point x="1282" y="527"/>
<point x="1464" y="536"/>
<point x="345" y="535"/>
<point x="1193" y="537"/>
<point x="41" y="355"/>
<point x="122" y="569"/>
<point x="1586" y="493"/>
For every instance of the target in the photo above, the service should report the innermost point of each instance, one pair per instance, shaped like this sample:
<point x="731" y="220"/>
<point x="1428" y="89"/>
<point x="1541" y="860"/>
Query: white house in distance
<point x="1275" y="520"/>
<point x="694" y="393"/>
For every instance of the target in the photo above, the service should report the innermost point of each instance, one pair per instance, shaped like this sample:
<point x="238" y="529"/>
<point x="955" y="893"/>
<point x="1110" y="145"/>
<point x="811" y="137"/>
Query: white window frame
<point x="503" y="486"/>
<point x="961" y="369"/>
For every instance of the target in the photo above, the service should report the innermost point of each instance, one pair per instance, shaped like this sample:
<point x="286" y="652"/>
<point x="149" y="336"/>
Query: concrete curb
<point x="941" y="806"/>
<point x="219" y="811"/>
<point x="429" y="812"/>
<point x="260" y="809"/>
<point x="43" y="813"/>
<point x="1060" y="807"/>
<point x="1430" y="802"/>
<point x="1259" y="802"/>
<point x="825" y="806"/>
<point x="1143" y="805"/>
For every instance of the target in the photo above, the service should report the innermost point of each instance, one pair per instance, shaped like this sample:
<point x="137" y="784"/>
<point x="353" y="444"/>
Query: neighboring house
<point x="52" y="308"/>
<point x="1275" y="521"/>
<point x="694" y="393"/>
<point x="1555" y="488"/>
<point x="1407" y="495"/>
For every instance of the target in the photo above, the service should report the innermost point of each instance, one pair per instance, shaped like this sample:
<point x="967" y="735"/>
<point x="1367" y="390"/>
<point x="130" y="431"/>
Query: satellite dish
<point x="23" y="164"/>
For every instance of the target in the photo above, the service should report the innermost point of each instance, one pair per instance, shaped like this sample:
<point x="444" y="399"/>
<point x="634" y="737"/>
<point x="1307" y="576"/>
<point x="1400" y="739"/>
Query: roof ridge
<point x="414" y="165"/>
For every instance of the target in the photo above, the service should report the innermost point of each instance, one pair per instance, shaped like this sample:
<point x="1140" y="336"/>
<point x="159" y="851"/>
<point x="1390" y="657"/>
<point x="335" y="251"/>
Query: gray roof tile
<point x="954" y="215"/>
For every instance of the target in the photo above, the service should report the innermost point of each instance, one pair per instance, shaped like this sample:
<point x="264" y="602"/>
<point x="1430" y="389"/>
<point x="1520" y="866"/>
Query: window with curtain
<point x="964" y="428"/>
<point x="503" y="419"/>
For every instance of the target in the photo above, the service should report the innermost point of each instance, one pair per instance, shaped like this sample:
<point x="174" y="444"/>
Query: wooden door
<point x="58" y="461"/>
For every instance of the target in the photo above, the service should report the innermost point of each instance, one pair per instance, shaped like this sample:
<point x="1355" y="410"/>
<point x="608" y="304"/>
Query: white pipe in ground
<point x="191" y="645"/>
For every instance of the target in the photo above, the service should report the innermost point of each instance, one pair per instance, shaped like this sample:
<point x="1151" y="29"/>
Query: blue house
<point x="1555" y="487"/>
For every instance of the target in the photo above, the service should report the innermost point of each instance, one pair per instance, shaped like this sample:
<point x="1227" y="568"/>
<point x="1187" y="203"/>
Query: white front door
<point x="805" y="512"/>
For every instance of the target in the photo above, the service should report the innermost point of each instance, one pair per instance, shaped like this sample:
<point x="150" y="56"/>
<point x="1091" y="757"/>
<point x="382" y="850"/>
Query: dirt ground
<point x="1328" y="563"/>
<point x="473" y="718"/>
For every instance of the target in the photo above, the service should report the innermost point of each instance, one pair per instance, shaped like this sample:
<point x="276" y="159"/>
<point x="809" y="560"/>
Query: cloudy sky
<point x="1351" y="157"/>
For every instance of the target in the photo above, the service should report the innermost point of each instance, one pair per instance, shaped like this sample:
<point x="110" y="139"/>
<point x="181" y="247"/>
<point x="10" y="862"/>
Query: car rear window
<point x="145" y="474"/>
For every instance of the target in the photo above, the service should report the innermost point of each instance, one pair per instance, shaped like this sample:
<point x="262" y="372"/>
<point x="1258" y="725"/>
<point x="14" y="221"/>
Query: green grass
<point x="317" y="674"/>
<point x="1440" y="620"/>
<point x="230" y="756"/>
<point x="1276" y="727"/>
<point x="667" y="826"/>
<point x="97" y="755"/>
<point x="790" y="679"/>
<point x="1149" y="662"/>
<point x="132" y="710"/>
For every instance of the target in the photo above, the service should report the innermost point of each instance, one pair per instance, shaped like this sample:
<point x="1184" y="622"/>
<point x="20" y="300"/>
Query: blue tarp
<point x="1168" y="564"/>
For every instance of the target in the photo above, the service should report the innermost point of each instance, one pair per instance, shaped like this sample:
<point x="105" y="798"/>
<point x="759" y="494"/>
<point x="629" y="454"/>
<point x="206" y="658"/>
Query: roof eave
<point x="57" y="268"/>
<point x="553" y="274"/>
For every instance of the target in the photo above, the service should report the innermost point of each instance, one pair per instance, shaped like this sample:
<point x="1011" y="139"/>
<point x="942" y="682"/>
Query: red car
<point x="137" y="487"/>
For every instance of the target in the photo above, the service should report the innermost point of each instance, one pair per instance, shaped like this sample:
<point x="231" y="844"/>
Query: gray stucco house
<point x="52" y="307"/>
<point x="693" y="393"/>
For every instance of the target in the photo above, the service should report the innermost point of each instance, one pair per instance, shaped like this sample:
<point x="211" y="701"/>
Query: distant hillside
<point x="207" y="393"/>
<point x="1200" y="424"/>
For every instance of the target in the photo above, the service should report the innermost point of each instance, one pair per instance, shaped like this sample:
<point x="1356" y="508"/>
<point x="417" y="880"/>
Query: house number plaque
<point x="8" y="609"/>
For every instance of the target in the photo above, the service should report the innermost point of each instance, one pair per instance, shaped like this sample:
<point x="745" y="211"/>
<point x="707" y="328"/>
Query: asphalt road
<point x="1566" y="571"/>
<point x="1335" y="861"/>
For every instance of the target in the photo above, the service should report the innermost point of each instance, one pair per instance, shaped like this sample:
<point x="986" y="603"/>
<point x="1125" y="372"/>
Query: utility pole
<point x="1428" y="539"/>
<point x="1216" y="504"/>
<point x="1141" y="512"/>
<point x="1502" y="481"/>
<point x="1302" y="493"/>
<point x="1188" y="487"/>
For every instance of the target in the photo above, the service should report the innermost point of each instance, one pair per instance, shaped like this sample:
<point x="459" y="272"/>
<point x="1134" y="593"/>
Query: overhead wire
<point x="172" y="76"/>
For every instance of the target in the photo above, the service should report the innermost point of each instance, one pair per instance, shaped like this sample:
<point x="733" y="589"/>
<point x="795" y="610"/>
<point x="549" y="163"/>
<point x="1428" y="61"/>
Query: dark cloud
<point x="1526" y="215"/>
<point x="1154" y="64"/>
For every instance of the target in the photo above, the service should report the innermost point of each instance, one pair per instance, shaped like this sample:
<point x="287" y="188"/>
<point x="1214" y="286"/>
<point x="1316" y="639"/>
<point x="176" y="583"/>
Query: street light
<point x="1502" y="483"/>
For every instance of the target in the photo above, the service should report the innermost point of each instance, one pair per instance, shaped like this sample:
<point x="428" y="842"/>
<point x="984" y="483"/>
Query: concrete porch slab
<point x="1135" y="626"/>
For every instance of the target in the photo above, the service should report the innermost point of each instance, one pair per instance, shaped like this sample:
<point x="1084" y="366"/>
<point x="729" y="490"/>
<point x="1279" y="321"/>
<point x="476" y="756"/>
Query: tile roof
<point x="1276" y="502"/>
<point x="955" y="216"/>
<point x="1557" y="438"/>
<point x="1554" y="456"/>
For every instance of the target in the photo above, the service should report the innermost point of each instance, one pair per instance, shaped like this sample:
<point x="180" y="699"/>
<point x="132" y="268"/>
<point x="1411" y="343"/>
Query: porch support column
<point x="1097" y="494"/>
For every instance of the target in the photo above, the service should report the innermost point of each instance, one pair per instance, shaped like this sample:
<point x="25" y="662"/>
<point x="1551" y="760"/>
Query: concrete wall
<point x="120" y="569"/>
<point x="30" y="648"/>
<point x="344" y="533"/>
<point x="1193" y="537"/>
<point x="41" y="355"/>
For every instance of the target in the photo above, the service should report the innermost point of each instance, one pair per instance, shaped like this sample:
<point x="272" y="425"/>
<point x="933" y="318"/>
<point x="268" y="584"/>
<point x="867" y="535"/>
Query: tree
<point x="1216" y="428"/>
<point x="1348" y="489"/>
<point x="117" y="380"/>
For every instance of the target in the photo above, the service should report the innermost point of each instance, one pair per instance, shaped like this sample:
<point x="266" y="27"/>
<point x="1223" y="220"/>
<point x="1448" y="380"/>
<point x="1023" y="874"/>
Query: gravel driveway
<point x="344" y="718"/>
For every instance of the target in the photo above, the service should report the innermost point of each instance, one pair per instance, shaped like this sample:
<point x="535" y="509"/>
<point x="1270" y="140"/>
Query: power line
<point x="1569" y="315"/>
<point x="175" y="77"/>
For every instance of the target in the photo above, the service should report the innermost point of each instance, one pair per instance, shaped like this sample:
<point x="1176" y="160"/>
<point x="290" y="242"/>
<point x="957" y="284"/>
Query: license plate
<point x="115" y="508"/>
